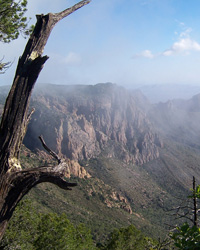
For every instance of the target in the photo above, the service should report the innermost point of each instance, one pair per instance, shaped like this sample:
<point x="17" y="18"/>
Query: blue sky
<point x="128" y="42"/>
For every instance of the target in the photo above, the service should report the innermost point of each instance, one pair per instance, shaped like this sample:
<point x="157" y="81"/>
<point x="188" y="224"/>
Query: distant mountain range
<point x="135" y="156"/>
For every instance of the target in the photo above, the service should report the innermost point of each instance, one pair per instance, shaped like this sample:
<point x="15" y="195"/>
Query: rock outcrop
<point x="81" y="121"/>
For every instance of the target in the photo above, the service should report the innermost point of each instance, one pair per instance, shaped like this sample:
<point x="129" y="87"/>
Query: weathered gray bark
<point x="15" y="182"/>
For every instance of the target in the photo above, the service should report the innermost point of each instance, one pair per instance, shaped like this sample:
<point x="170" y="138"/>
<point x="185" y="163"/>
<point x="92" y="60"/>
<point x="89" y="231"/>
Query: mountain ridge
<point x="97" y="115"/>
<point x="113" y="134"/>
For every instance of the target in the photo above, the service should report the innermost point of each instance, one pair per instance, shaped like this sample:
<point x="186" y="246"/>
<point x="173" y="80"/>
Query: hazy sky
<point x="128" y="42"/>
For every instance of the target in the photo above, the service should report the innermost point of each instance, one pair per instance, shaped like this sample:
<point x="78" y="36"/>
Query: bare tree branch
<point x="67" y="12"/>
<point x="51" y="152"/>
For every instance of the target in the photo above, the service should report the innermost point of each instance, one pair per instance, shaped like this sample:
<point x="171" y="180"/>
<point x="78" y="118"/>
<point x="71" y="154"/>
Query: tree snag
<point x="195" y="210"/>
<point x="14" y="181"/>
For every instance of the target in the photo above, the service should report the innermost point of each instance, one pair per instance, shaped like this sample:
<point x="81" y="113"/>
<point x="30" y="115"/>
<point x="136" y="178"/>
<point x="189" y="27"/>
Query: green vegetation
<point x="109" y="228"/>
<point x="87" y="203"/>
<point x="128" y="238"/>
<point x="22" y="229"/>
<point x="188" y="236"/>
<point x="29" y="229"/>
<point x="34" y="230"/>
<point x="12" y="24"/>
<point x="92" y="203"/>
<point x="12" y="19"/>
<point x="57" y="232"/>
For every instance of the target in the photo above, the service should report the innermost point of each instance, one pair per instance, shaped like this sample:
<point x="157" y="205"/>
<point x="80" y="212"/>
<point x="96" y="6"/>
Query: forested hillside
<point x="129" y="157"/>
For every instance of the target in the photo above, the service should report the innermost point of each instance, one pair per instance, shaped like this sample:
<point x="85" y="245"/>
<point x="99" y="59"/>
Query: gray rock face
<point x="79" y="122"/>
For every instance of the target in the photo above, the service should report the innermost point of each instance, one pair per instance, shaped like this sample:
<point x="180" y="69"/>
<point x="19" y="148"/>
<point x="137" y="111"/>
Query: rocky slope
<point x="133" y="157"/>
<point x="79" y="122"/>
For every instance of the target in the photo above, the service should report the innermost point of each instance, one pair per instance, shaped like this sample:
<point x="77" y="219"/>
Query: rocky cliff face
<point x="79" y="122"/>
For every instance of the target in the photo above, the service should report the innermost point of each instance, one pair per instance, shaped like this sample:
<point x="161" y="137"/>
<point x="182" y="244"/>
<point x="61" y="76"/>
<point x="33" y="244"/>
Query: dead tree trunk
<point x="195" y="210"/>
<point x="15" y="182"/>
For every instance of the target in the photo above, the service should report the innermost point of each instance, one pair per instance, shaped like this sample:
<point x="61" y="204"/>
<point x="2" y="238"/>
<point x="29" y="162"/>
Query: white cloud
<point x="184" y="45"/>
<point x="144" y="53"/>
